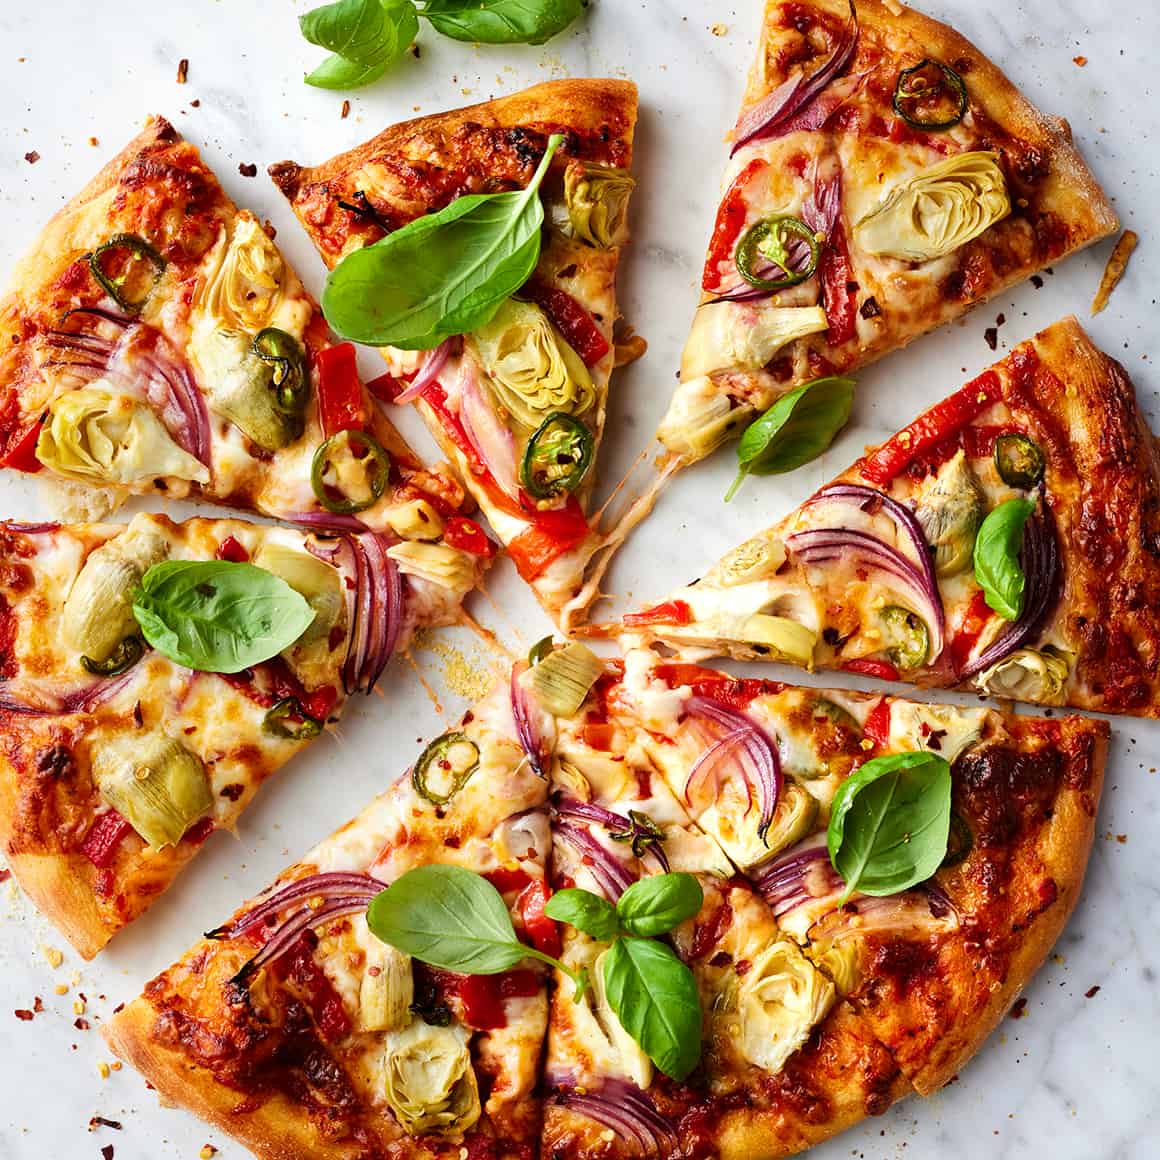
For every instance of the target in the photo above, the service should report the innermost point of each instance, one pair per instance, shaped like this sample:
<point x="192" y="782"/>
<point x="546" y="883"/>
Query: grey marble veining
<point x="1077" y="1077"/>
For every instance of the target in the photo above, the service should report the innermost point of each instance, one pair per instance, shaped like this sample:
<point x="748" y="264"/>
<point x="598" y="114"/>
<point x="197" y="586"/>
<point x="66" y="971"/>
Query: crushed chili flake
<point x="196" y="104"/>
<point x="23" y="1014"/>
<point x="345" y="110"/>
<point x="870" y="308"/>
<point x="1091" y="992"/>
<point x="81" y="1024"/>
<point x="248" y="169"/>
<point x="991" y="336"/>
<point x="1079" y="60"/>
<point x="38" y="1005"/>
<point x="182" y="70"/>
<point x="5" y="875"/>
<point x="32" y="157"/>
<point x="100" y="1122"/>
<point x="1020" y="1009"/>
<point x="94" y="141"/>
<point x="107" y="1152"/>
<point x="1036" y="281"/>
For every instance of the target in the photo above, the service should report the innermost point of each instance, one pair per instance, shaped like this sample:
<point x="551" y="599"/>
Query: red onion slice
<point x="493" y="442"/>
<point x="37" y="699"/>
<point x="823" y="207"/>
<point x="526" y="718"/>
<point x="791" y="97"/>
<point x="327" y="886"/>
<point x="574" y="809"/>
<point x="802" y="874"/>
<point x="326" y="521"/>
<point x="426" y="374"/>
<point x="611" y="875"/>
<point x="628" y="1111"/>
<point x="1039" y="558"/>
<point x="746" y="747"/>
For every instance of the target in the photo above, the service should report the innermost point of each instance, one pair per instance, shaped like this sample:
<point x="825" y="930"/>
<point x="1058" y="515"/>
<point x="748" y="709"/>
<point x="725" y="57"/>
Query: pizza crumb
<point x="248" y="169"/>
<point x="1122" y="839"/>
<point x="1079" y="60"/>
<point x="101" y="1122"/>
<point x="1115" y="269"/>
<point x="54" y="957"/>
<point x="32" y="157"/>
<point x="345" y="110"/>
<point x="1036" y="281"/>
<point x="1091" y="992"/>
<point x="718" y="29"/>
<point x="182" y="70"/>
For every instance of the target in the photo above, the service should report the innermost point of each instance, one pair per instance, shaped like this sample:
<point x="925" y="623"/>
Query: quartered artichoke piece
<point x="319" y="584"/>
<point x="597" y="198"/>
<point x="247" y="288"/>
<point x="1029" y="675"/>
<point x="97" y="435"/>
<point x="531" y="369"/>
<point x="388" y="987"/>
<point x="780" y="637"/>
<point x="98" y="612"/>
<point x="947" y="205"/>
<point x="838" y="961"/>
<point x="157" y="785"/>
<point x="239" y="387"/>
<point x="950" y="509"/>
<point x="437" y="563"/>
<point x="913" y="726"/>
<point x="755" y="559"/>
<point x="562" y="679"/>
<point x="699" y="419"/>
<point x="744" y="336"/>
<point x="779" y="1000"/>
<point x="428" y="1080"/>
<point x="793" y="818"/>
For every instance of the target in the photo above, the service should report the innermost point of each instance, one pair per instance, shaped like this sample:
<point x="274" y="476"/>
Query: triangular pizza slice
<point x="294" y="1029"/>
<point x="884" y="177"/>
<point x="156" y="342"/>
<point x="118" y="759"/>
<point x="514" y="394"/>
<point x="1004" y="542"/>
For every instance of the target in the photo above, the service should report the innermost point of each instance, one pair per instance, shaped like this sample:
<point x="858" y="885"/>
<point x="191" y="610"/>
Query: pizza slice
<point x="295" y="1030"/>
<point x="824" y="799"/>
<point x="515" y="394"/>
<point x="155" y="342"/>
<point x="884" y="177"/>
<point x="1002" y="543"/>
<point x="155" y="674"/>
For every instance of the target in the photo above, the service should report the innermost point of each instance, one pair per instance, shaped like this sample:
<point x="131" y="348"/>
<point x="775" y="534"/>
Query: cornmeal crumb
<point x="718" y="29"/>
<point x="208" y="1152"/>
<point x="61" y="988"/>
<point x="866" y="743"/>
<point x="103" y="1070"/>
<point x="54" y="957"/>
<point x="78" y="1006"/>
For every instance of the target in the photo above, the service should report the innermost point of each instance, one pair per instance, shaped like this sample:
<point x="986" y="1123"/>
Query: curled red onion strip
<point x="528" y="732"/>
<point x="629" y="1112"/>
<point x="785" y="883"/>
<point x="426" y="374"/>
<point x="328" y="886"/>
<point x="287" y="935"/>
<point x="611" y="875"/>
<point x="58" y="701"/>
<point x="1039" y="559"/>
<point x="327" y="521"/>
<point x="757" y="758"/>
<point x="573" y="808"/>
<point x="772" y="113"/>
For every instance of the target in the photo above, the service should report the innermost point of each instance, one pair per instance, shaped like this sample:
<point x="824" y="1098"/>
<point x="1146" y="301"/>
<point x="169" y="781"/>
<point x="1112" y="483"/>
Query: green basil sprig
<point x="891" y="823"/>
<point x="216" y="616"/>
<point x="365" y="37"/>
<point x="796" y="429"/>
<point x="997" y="566"/>
<point x="502" y="21"/>
<point x="653" y="993"/>
<point x="443" y="274"/>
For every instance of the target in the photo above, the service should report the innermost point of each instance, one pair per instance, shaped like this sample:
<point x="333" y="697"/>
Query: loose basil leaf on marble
<point x="364" y="36"/>
<point x="586" y="911"/>
<point x="443" y="274"/>
<point x="796" y="429"/>
<point x="452" y="918"/>
<point x="890" y="823"/>
<point x="653" y="906"/>
<point x="502" y="21"/>
<point x="218" y="617"/>
<point x="654" y="995"/>
<point x="997" y="566"/>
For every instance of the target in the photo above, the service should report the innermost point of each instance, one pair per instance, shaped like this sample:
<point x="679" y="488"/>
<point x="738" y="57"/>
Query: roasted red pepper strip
<point x="104" y="836"/>
<point x="974" y="620"/>
<point x="541" y="929"/>
<point x="839" y="300"/>
<point x="483" y="996"/>
<point x="199" y="831"/>
<point x="340" y="393"/>
<point x="232" y="551"/>
<point x="877" y="726"/>
<point x="552" y="534"/>
<point x="940" y="421"/>
<point x="730" y="222"/>
<point x="507" y="881"/>
<point x="324" y="1001"/>
<point x="21" y="455"/>
<point x="272" y="681"/>
<point x="670" y="612"/>
<point x="467" y="536"/>
<point x="881" y="670"/>
<point x="571" y="319"/>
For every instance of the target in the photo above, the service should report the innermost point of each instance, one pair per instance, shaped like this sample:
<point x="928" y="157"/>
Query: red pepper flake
<point x="345" y="110"/>
<point x="1037" y="281"/>
<point x="38" y="1004"/>
<point x="196" y="104"/>
<point x="1091" y="992"/>
<point x="182" y="70"/>
<point x="248" y="169"/>
<point x="1020" y="1009"/>
<point x="991" y="336"/>
<point x="100" y="1122"/>
<point x="81" y="1024"/>
<point x="1079" y="60"/>
<point x="32" y="157"/>
<point x="5" y="875"/>
<point x="23" y="1014"/>
<point x="107" y="1152"/>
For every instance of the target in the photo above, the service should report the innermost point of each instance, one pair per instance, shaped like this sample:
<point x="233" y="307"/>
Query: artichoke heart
<point x="157" y="785"/>
<point x="438" y="563"/>
<point x="1029" y="675"/>
<point x="839" y="962"/>
<point x="793" y="818"/>
<point x="100" y="436"/>
<point x="415" y="520"/>
<point x="744" y="336"/>
<point x="699" y="419"/>
<point x="387" y="988"/>
<point x="597" y="200"/>
<point x="428" y="1080"/>
<point x="239" y="387"/>
<point x="913" y="727"/>
<point x="319" y="584"/>
<point x="944" y="207"/>
<point x="562" y="679"/>
<point x="531" y="369"/>
<point x="780" y="999"/>
<point x="753" y="560"/>
<point x="247" y="287"/>
<point x="950" y="510"/>
<point x="780" y="637"/>
<point x="98" y="613"/>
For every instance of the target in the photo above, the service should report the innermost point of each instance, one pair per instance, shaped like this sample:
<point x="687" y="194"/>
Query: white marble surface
<point x="1077" y="1076"/>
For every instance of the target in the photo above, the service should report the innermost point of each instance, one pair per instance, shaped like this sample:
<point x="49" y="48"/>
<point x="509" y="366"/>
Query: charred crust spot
<point x="56" y="762"/>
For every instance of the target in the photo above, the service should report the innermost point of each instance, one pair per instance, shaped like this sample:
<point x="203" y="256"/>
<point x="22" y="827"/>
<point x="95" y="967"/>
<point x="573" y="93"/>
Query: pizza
<point x="118" y="759"/>
<point x="1002" y="543"/>
<point x="814" y="1003"/>
<point x="156" y="342"/>
<point x="884" y="177"/>
<point x="517" y="404"/>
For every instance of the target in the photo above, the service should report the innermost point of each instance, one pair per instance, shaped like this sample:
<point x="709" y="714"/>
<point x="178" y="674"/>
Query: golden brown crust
<point x="60" y="887"/>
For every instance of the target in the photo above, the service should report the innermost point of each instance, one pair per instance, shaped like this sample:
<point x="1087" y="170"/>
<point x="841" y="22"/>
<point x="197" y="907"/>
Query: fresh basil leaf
<point x="443" y="274"/>
<point x="364" y="36"/>
<point x="890" y="823"/>
<point x="796" y="429"/>
<point x="585" y="911"/>
<point x="653" y="906"/>
<point x="216" y="616"/>
<point x="997" y="566"/>
<point x="502" y="21"/>
<point x="654" y="995"/>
